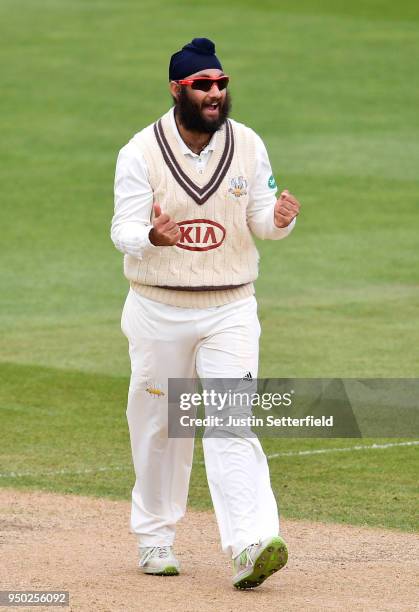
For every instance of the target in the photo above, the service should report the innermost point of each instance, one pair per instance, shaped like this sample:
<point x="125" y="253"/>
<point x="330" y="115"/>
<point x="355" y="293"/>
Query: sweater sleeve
<point x="262" y="198"/>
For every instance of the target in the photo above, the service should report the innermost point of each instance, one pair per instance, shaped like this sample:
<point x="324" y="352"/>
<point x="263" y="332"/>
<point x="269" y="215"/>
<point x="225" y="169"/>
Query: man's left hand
<point x="286" y="209"/>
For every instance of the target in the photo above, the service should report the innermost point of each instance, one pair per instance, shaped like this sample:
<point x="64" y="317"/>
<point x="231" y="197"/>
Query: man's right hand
<point x="165" y="232"/>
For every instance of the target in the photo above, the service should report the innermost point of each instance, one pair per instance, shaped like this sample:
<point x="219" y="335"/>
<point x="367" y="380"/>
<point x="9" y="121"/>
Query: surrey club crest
<point x="238" y="186"/>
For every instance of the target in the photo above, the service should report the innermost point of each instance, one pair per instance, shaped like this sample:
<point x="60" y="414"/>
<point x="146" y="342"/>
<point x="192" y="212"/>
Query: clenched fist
<point x="165" y="232"/>
<point x="286" y="209"/>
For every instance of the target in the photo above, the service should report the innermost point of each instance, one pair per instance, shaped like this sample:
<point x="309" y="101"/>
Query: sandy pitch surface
<point x="84" y="545"/>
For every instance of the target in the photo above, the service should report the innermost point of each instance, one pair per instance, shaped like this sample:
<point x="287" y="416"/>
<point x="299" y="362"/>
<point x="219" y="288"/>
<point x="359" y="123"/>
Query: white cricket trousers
<point x="171" y="342"/>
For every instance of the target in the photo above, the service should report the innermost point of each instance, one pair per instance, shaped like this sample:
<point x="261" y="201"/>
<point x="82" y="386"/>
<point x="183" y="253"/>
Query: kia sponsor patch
<point x="200" y="234"/>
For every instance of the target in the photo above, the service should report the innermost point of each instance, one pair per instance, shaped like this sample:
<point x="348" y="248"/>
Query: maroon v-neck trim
<point x="199" y="194"/>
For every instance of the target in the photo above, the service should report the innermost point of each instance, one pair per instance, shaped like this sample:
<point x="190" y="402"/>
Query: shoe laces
<point x="246" y="557"/>
<point x="160" y="551"/>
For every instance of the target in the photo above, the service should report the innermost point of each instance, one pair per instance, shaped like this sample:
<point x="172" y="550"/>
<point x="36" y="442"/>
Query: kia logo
<point x="200" y="235"/>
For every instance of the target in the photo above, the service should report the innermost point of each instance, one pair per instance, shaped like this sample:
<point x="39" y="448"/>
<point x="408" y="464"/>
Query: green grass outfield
<point x="332" y="88"/>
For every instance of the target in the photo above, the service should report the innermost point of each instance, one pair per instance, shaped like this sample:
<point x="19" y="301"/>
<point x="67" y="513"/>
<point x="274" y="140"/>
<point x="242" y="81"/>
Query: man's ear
<point x="174" y="89"/>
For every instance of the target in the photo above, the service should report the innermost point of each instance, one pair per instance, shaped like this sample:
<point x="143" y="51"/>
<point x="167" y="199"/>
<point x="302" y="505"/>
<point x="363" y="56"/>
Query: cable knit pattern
<point x="216" y="250"/>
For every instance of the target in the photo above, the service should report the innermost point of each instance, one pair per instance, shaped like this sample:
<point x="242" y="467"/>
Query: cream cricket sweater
<point x="216" y="260"/>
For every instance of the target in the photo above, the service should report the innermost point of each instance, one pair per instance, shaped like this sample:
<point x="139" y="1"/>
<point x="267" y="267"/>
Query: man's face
<point x="201" y="111"/>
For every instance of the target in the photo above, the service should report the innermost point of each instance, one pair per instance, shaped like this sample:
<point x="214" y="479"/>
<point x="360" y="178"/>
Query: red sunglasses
<point x="206" y="83"/>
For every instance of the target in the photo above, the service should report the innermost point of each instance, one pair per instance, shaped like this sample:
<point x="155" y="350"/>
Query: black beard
<point x="190" y="115"/>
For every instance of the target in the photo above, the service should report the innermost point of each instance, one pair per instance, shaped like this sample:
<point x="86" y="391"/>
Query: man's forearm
<point x="131" y="238"/>
<point x="263" y="225"/>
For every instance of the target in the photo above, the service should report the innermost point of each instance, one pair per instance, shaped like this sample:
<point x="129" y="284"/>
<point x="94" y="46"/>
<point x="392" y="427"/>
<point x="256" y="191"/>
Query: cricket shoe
<point x="158" y="560"/>
<point x="259" y="561"/>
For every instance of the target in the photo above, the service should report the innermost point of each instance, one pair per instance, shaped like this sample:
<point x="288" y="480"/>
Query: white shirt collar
<point x="183" y="146"/>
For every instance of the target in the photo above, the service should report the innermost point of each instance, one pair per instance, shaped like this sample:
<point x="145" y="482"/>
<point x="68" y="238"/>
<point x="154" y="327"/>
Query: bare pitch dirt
<point x="83" y="545"/>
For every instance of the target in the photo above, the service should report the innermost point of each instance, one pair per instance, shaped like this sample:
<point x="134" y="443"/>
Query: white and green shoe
<point x="158" y="560"/>
<point x="259" y="561"/>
